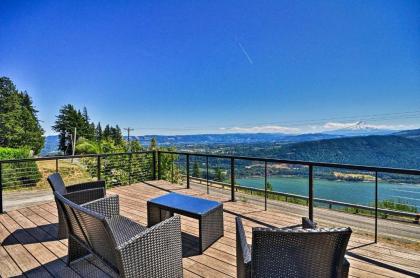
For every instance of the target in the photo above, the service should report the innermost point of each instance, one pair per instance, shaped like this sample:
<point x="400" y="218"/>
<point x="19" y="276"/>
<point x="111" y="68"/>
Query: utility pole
<point x="128" y="134"/>
<point x="74" y="141"/>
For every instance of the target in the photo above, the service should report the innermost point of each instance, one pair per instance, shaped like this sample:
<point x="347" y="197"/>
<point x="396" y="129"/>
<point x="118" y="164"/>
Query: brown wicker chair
<point x="78" y="193"/>
<point x="303" y="252"/>
<point x="127" y="247"/>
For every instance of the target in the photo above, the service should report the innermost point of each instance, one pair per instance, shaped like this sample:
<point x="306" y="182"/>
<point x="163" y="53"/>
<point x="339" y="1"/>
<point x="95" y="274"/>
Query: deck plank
<point x="29" y="244"/>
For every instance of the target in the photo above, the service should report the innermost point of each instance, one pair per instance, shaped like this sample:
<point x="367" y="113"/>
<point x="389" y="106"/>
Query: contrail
<point x="245" y="53"/>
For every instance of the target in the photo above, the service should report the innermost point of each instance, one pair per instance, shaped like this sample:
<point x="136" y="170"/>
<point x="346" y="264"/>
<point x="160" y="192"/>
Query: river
<point x="362" y="193"/>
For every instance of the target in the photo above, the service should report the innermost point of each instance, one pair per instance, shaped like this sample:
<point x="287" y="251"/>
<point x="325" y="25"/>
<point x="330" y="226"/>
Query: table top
<point x="186" y="203"/>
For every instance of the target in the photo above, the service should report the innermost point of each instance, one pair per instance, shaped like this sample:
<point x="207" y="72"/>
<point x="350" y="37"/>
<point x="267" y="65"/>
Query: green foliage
<point x="68" y="119"/>
<point x="134" y="146"/>
<point x="153" y="144"/>
<point x="219" y="175"/>
<point x="98" y="132"/>
<point x="121" y="169"/>
<point x="87" y="147"/>
<point x="269" y="186"/>
<point x="19" y="124"/>
<point x="90" y="139"/>
<point x="196" y="170"/>
<point x="399" y="205"/>
<point x="18" y="174"/>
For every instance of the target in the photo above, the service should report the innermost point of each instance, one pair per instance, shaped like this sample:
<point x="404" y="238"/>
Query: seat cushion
<point x="123" y="228"/>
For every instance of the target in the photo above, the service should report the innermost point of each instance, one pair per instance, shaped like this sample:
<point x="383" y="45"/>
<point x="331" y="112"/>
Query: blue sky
<point x="177" y="67"/>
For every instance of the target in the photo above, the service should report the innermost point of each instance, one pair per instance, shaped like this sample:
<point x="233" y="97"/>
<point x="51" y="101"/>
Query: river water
<point x="362" y="193"/>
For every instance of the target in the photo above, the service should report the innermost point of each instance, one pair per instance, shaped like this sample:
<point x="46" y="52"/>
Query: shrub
<point x="18" y="174"/>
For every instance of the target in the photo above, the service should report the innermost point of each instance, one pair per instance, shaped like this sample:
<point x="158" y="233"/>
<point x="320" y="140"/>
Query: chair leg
<point x="75" y="250"/>
<point x="62" y="227"/>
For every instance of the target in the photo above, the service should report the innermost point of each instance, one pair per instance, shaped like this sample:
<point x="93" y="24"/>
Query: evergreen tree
<point x="196" y="170"/>
<point x="219" y="176"/>
<point x="107" y="132"/>
<point x="116" y="135"/>
<point x="98" y="132"/>
<point x="134" y="146"/>
<point x="92" y="131"/>
<point x="153" y="144"/>
<point x="19" y="124"/>
<point x="68" y="119"/>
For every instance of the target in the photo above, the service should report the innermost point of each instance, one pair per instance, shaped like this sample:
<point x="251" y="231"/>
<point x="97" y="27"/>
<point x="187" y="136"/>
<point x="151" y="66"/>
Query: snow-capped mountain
<point x="360" y="129"/>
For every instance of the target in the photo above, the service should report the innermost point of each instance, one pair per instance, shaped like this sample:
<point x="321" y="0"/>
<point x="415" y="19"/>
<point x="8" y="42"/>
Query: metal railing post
<point x="154" y="165"/>
<point x="207" y="174"/>
<point x="376" y="207"/>
<point x="311" y="193"/>
<point x="159" y="165"/>
<point x="1" y="189"/>
<point x="188" y="171"/>
<point x="265" y="185"/>
<point x="172" y="168"/>
<point x="232" y="179"/>
<point x="98" y="167"/>
<point x="130" y="158"/>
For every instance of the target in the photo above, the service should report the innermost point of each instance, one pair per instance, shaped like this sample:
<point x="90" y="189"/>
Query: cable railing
<point x="231" y="162"/>
<point x="116" y="169"/>
<point x="127" y="168"/>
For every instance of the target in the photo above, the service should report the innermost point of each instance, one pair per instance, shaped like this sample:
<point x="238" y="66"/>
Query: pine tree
<point x="19" y="124"/>
<point x="116" y="135"/>
<point x="219" y="176"/>
<point x="196" y="170"/>
<point x="107" y="133"/>
<point x="153" y="144"/>
<point x="68" y="119"/>
<point x="98" y="132"/>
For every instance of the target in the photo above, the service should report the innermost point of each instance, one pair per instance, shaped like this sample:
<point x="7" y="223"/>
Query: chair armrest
<point x="84" y="196"/>
<point x="108" y="206"/>
<point x="86" y="185"/>
<point x="308" y="224"/>
<point x="243" y="251"/>
<point x="155" y="252"/>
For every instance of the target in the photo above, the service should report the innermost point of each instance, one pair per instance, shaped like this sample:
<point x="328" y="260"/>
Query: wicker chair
<point x="78" y="193"/>
<point x="127" y="247"/>
<point x="303" y="252"/>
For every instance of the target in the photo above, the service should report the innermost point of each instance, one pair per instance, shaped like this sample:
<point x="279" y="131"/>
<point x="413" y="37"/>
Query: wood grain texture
<point x="30" y="248"/>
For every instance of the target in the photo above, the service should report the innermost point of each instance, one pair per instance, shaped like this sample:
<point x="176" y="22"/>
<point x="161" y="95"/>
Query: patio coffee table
<point x="209" y="214"/>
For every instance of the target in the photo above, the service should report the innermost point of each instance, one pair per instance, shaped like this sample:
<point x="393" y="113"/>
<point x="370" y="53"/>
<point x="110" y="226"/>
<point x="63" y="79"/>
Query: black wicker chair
<point x="78" y="193"/>
<point x="127" y="247"/>
<point x="302" y="252"/>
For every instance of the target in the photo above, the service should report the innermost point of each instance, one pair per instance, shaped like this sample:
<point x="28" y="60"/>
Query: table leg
<point x="155" y="214"/>
<point x="211" y="228"/>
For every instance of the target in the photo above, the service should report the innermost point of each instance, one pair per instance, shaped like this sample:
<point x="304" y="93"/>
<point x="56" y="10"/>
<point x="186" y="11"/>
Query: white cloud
<point x="328" y="126"/>
<point x="263" y="128"/>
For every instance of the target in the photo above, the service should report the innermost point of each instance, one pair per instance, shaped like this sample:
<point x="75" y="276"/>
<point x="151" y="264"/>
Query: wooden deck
<point x="29" y="247"/>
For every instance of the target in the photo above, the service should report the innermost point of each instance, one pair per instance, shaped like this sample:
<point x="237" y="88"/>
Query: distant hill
<point x="50" y="145"/>
<point x="412" y="134"/>
<point x="232" y="138"/>
<point x="386" y="151"/>
<point x="401" y="149"/>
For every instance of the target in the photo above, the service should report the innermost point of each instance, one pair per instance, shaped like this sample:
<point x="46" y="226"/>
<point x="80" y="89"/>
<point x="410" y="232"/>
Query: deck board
<point x="29" y="247"/>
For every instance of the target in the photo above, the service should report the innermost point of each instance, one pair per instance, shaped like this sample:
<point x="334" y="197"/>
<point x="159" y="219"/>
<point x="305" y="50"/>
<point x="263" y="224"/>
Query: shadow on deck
<point x="29" y="246"/>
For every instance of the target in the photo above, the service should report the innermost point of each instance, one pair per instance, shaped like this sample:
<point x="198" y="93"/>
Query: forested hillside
<point x="411" y="134"/>
<point x="387" y="151"/>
